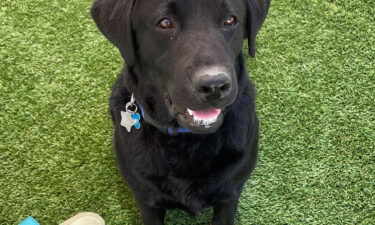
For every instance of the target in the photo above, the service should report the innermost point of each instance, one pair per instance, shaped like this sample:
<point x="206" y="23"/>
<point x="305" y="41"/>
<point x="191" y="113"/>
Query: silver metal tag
<point x="127" y="121"/>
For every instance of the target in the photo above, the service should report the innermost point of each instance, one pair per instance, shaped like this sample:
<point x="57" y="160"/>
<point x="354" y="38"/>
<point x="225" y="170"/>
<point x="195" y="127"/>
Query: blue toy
<point x="29" y="221"/>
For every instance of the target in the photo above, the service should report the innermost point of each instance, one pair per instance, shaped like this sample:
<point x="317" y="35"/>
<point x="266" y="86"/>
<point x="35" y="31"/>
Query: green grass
<point x="315" y="77"/>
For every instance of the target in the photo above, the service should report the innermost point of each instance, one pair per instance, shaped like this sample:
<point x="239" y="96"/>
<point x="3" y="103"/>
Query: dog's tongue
<point x="206" y="114"/>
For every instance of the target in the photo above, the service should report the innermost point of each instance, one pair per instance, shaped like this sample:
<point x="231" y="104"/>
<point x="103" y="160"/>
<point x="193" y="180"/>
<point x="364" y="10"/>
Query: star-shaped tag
<point x="127" y="121"/>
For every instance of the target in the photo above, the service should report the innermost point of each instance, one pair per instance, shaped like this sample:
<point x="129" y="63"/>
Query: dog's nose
<point x="211" y="87"/>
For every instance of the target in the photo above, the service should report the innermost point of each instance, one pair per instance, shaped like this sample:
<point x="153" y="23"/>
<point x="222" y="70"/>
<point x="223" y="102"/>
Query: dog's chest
<point x="192" y="182"/>
<point x="193" y="194"/>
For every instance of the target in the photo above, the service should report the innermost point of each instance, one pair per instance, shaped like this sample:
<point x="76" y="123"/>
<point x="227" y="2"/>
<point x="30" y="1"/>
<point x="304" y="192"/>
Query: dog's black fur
<point x="205" y="168"/>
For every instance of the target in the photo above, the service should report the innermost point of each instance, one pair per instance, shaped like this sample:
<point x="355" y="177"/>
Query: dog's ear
<point x="256" y="13"/>
<point x="113" y="18"/>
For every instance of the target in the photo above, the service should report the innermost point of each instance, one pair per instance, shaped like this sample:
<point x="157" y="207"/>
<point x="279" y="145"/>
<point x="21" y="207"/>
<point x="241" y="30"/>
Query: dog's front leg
<point x="151" y="215"/>
<point x="224" y="214"/>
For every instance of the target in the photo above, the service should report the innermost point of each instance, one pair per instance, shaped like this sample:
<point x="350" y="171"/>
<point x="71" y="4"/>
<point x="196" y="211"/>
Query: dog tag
<point x="127" y="121"/>
<point x="130" y="117"/>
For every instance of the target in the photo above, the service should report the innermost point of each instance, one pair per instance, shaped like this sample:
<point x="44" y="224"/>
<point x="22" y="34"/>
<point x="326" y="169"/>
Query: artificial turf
<point x="315" y="77"/>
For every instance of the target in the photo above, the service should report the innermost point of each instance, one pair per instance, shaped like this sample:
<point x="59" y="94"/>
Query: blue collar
<point x="161" y="127"/>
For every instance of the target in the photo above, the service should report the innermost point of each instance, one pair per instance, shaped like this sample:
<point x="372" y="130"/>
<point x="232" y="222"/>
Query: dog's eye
<point x="165" y="24"/>
<point x="230" y="21"/>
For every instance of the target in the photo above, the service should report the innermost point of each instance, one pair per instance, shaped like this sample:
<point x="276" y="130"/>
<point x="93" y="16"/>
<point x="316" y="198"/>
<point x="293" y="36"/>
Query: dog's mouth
<point x="200" y="121"/>
<point x="203" y="117"/>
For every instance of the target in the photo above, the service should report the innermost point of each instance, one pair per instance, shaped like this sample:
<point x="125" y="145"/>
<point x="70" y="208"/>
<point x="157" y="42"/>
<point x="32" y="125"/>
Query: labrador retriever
<point x="195" y="144"/>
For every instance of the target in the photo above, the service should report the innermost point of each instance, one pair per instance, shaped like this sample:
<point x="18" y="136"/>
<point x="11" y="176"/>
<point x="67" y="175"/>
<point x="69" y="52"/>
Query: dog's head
<point x="182" y="54"/>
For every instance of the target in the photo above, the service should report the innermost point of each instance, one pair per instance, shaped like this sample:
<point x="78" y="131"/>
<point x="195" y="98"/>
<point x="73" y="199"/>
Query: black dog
<point x="197" y="141"/>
